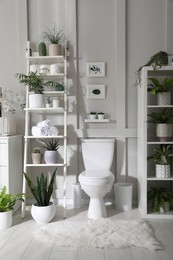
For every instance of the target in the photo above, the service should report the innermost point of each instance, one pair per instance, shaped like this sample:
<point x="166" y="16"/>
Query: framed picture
<point x="95" y="69"/>
<point x="95" y="91"/>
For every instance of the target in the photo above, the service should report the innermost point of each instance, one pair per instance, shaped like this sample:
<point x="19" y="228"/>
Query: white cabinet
<point x="11" y="162"/>
<point x="58" y="115"/>
<point x="147" y="141"/>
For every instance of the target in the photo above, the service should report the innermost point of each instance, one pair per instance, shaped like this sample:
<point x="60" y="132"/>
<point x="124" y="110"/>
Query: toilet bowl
<point x="97" y="179"/>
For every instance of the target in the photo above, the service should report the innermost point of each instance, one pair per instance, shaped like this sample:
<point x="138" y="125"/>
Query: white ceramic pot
<point x="5" y="219"/>
<point x="164" y="98"/>
<point x="36" y="158"/>
<point x="56" y="50"/>
<point x="36" y="101"/>
<point x="164" y="132"/>
<point x="101" y="116"/>
<point x="163" y="171"/>
<point x="51" y="157"/>
<point x="92" y="116"/>
<point x="43" y="214"/>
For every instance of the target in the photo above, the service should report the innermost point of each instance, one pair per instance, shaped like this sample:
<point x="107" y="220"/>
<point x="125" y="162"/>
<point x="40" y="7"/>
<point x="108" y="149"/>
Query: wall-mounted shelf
<point x="105" y="120"/>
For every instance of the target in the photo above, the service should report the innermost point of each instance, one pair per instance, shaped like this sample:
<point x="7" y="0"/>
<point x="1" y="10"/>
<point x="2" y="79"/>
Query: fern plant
<point x="157" y="87"/>
<point x="163" y="117"/>
<point x="42" y="191"/>
<point x="162" y="154"/>
<point x="51" y="145"/>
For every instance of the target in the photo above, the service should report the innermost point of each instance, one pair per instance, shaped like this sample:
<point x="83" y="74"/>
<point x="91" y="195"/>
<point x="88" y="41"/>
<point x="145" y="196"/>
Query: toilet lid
<point x="99" y="174"/>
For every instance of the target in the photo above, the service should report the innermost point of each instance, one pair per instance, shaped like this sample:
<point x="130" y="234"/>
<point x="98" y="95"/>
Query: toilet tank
<point x="98" y="153"/>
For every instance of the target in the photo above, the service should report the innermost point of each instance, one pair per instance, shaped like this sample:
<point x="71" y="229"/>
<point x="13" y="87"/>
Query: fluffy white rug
<point x="102" y="233"/>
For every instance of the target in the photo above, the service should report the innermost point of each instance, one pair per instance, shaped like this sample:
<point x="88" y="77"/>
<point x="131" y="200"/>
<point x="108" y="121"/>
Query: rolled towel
<point x="40" y="131"/>
<point x="46" y="123"/>
<point x="53" y="131"/>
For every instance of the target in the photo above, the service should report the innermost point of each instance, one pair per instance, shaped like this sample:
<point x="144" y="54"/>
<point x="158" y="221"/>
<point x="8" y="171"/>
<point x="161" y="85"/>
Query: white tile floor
<point x="17" y="242"/>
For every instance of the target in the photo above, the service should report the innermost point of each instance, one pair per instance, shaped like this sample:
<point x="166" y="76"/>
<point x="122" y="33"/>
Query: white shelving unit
<point x="44" y="113"/>
<point x="147" y="141"/>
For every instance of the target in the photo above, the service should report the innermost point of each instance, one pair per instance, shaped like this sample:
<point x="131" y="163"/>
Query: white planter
<point x="164" y="98"/>
<point x="101" y="116"/>
<point x="167" y="207"/>
<point x="36" y="158"/>
<point x="51" y="157"/>
<point x="43" y="214"/>
<point x="5" y="219"/>
<point x="36" y="101"/>
<point x="163" y="171"/>
<point x="164" y="132"/>
<point x="92" y="116"/>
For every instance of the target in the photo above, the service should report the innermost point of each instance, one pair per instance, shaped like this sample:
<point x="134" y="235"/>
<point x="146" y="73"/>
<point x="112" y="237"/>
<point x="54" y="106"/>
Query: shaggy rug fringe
<point x="102" y="233"/>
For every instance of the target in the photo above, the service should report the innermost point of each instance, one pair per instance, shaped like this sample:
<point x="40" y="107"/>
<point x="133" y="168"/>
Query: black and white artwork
<point x="95" y="69"/>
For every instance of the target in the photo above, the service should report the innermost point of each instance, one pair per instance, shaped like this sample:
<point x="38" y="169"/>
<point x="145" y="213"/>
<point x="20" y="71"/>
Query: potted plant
<point x="48" y="102"/>
<point x="160" y="198"/>
<point x="163" y="121"/>
<point x="7" y="202"/>
<point x="161" y="90"/>
<point x="162" y="156"/>
<point x="55" y="39"/>
<point x="156" y="61"/>
<point x="51" y="153"/>
<point x="43" y="210"/>
<point x="36" y="155"/>
<point x="101" y="115"/>
<point x="93" y="115"/>
<point x="36" y="84"/>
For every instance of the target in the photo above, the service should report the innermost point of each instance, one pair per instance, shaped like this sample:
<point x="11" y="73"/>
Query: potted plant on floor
<point x="36" y="84"/>
<point x="51" y="153"/>
<point x="161" y="199"/>
<point x="156" y="61"/>
<point x="161" y="90"/>
<point x="7" y="202"/>
<point x="43" y="211"/>
<point x="55" y="39"/>
<point x="36" y="155"/>
<point x="162" y="156"/>
<point x="163" y="121"/>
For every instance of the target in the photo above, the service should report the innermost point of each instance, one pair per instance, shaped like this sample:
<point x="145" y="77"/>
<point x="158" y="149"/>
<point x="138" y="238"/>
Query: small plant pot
<point x="92" y="116"/>
<point x="48" y="105"/>
<point x="164" y="132"/>
<point x="164" y="98"/>
<point x="5" y="219"/>
<point x="163" y="171"/>
<point x="43" y="214"/>
<point x="51" y="157"/>
<point x="56" y="50"/>
<point x="36" y="100"/>
<point x="101" y="116"/>
<point x="36" y="158"/>
<point x="167" y="207"/>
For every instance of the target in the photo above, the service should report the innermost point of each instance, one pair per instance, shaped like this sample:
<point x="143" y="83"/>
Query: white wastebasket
<point x="123" y="196"/>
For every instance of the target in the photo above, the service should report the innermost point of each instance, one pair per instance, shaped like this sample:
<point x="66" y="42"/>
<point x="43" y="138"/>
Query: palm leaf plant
<point x="157" y="87"/>
<point x="42" y="191"/>
<point x="162" y="154"/>
<point x="158" y="197"/>
<point x="162" y="117"/>
<point x="51" y="145"/>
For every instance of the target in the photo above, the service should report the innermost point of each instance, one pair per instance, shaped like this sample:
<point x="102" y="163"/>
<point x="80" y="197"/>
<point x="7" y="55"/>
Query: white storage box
<point x="7" y="126"/>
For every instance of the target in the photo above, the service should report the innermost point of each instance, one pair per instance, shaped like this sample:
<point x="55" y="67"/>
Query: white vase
<point x="163" y="171"/>
<point x="164" y="132"/>
<point x="164" y="98"/>
<point x="43" y="214"/>
<point x="5" y="219"/>
<point x="51" y="157"/>
<point x="36" y="101"/>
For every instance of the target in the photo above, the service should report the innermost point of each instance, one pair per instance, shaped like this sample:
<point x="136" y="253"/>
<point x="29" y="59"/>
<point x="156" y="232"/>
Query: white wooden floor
<point x="17" y="242"/>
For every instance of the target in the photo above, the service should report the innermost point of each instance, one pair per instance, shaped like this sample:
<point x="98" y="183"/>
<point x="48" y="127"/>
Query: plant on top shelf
<point x="163" y="121"/>
<point x="55" y="39"/>
<point x="51" y="153"/>
<point x="156" y="61"/>
<point x="101" y="115"/>
<point x="93" y="115"/>
<point x="158" y="197"/>
<point x="43" y="210"/>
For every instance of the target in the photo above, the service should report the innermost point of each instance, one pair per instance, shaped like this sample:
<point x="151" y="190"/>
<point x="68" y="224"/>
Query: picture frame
<point x="95" y="69"/>
<point x="95" y="91"/>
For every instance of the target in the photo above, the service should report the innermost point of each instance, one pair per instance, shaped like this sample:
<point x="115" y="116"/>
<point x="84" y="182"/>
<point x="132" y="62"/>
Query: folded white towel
<point x="53" y="131"/>
<point x="46" y="123"/>
<point x="40" y="131"/>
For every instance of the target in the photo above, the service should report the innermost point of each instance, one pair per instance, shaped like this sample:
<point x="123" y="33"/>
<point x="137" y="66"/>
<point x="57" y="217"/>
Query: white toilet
<point x="97" y="179"/>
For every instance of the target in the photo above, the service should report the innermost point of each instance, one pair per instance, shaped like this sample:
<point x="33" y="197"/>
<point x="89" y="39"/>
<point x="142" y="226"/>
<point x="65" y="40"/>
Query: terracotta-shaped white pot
<point x="164" y="98"/>
<point x="51" y="157"/>
<point x="56" y="50"/>
<point x="36" y="158"/>
<point x="5" y="219"/>
<point x="163" y="171"/>
<point x="164" y="132"/>
<point x="43" y="214"/>
<point x="36" y="101"/>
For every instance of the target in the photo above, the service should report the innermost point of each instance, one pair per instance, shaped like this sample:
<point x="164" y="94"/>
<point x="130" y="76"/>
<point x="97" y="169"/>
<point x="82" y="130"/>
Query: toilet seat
<point x="96" y="175"/>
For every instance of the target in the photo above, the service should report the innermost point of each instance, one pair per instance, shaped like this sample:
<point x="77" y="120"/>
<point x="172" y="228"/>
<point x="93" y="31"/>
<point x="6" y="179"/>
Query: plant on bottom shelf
<point x="42" y="191"/>
<point x="158" y="197"/>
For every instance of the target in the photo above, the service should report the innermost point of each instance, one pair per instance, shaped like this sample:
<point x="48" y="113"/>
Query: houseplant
<point x="55" y="39"/>
<point x="7" y="202"/>
<point x="36" y="155"/>
<point x="161" y="89"/>
<point x="163" y="121"/>
<point x="162" y="156"/>
<point x="43" y="211"/>
<point x="156" y="61"/>
<point x="51" y="153"/>
<point x="93" y="115"/>
<point x="36" y="84"/>
<point x="160" y="199"/>
<point x="100" y="115"/>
